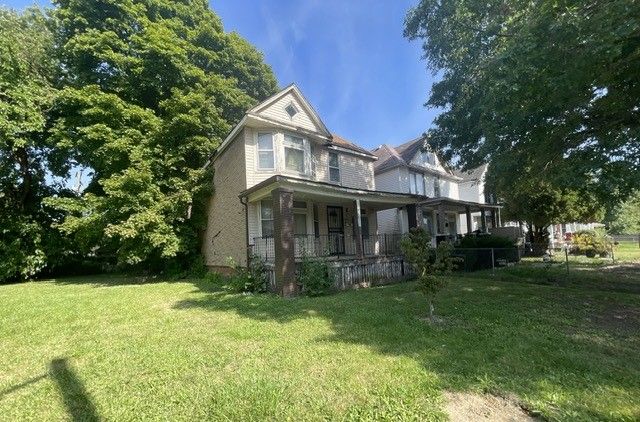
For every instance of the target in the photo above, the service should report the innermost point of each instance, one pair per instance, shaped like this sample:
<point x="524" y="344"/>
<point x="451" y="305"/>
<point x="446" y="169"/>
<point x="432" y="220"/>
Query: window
<point x="291" y="110"/>
<point x="364" y="224"/>
<point x="294" y="153"/>
<point x="299" y="224"/>
<point x="265" y="151"/>
<point x="436" y="187"/>
<point x="427" y="157"/>
<point x="416" y="183"/>
<point x="334" y="167"/>
<point x="266" y="218"/>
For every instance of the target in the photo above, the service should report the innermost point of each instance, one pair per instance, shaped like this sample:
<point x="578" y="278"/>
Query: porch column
<point x="494" y="219"/>
<point x="440" y="220"/>
<point x="434" y="223"/>
<point x="467" y="210"/>
<point x="483" y="219"/>
<point x="412" y="216"/>
<point x="283" y="240"/>
<point x="357" y="226"/>
<point x="499" y="219"/>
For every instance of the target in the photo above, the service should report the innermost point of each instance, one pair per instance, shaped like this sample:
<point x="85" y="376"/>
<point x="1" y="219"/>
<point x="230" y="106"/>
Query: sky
<point x="368" y="83"/>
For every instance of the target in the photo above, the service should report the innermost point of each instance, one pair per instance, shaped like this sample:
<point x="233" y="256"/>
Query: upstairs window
<point x="266" y="159"/>
<point x="266" y="218"/>
<point x="291" y="110"/>
<point x="416" y="183"/>
<point x="294" y="154"/>
<point x="427" y="157"/>
<point x="334" y="167"/>
<point x="436" y="187"/>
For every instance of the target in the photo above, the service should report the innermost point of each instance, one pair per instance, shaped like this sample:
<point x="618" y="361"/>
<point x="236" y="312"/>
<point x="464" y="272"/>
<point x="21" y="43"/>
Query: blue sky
<point x="350" y="60"/>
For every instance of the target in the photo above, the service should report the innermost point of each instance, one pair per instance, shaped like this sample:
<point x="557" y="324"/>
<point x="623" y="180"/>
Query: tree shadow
<point x="76" y="399"/>
<point x="511" y="345"/>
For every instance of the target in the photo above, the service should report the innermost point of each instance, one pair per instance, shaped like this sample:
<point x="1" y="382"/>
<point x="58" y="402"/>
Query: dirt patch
<point x="620" y="319"/>
<point x="462" y="406"/>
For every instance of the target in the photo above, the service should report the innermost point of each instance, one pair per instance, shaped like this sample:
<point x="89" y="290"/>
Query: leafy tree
<point x="27" y="65"/>
<point x="428" y="262"/>
<point x="540" y="204"/>
<point x="151" y="87"/>
<point x="552" y="84"/>
<point x="626" y="217"/>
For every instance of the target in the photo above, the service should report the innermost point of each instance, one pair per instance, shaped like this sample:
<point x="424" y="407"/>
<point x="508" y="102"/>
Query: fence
<point x="348" y="274"/>
<point x="627" y="238"/>
<point x="331" y="245"/>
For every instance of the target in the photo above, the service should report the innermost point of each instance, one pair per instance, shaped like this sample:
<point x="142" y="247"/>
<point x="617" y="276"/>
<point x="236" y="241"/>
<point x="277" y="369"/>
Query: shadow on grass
<point x="20" y="386"/>
<point x="79" y="405"/>
<point x="496" y="337"/>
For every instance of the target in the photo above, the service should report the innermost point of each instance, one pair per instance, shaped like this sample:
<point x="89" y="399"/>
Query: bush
<point x="486" y="241"/>
<point x="315" y="276"/>
<point x="252" y="279"/>
<point x="591" y="243"/>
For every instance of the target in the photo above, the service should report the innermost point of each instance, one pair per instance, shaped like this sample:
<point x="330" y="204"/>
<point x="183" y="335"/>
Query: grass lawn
<point x="108" y="348"/>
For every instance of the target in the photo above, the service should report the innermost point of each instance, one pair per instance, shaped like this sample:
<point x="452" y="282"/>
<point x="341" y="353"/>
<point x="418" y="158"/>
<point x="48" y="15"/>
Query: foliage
<point x="428" y="262"/>
<point x="150" y="89"/>
<point x="315" y="276"/>
<point x="27" y="63"/>
<point x="626" y="218"/>
<point x="548" y="88"/>
<point x="540" y="204"/>
<point x="591" y="243"/>
<point x="485" y="241"/>
<point x="251" y="279"/>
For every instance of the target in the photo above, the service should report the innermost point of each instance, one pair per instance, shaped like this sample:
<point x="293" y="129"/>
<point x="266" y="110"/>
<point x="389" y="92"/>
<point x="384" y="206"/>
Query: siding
<point x="301" y="119"/>
<point x="225" y="234"/>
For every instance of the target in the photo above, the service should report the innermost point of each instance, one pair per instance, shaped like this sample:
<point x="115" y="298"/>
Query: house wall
<point x="225" y="233"/>
<point x="472" y="191"/>
<point x="277" y="111"/>
<point x="355" y="171"/>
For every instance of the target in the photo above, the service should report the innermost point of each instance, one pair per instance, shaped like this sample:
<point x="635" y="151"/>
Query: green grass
<point x="108" y="348"/>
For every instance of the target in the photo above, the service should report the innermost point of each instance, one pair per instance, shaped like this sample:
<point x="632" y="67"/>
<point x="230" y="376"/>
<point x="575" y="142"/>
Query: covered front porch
<point x="448" y="219"/>
<point x="289" y="218"/>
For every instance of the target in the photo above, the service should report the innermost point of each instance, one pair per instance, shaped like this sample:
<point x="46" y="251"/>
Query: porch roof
<point x="323" y="191"/>
<point x="457" y="205"/>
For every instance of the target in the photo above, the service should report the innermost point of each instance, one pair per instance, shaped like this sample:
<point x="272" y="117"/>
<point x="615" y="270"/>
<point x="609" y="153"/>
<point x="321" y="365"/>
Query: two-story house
<point x="451" y="203"/>
<point x="285" y="186"/>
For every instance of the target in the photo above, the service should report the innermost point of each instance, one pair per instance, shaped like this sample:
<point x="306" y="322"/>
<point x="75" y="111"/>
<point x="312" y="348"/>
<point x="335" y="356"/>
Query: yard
<point x="124" y="348"/>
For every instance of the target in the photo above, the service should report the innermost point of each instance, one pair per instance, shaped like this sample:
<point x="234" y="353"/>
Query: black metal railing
<point x="332" y="245"/>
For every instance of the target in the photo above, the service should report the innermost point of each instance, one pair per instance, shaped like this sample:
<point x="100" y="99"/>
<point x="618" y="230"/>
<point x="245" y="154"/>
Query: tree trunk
<point x="430" y="309"/>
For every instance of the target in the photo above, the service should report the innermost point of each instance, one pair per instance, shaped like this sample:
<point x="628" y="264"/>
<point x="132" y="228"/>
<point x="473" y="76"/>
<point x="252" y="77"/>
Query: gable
<point x="275" y="108"/>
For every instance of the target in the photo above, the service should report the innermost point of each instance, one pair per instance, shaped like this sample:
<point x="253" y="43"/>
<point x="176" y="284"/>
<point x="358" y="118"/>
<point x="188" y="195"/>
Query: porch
<point x="289" y="218"/>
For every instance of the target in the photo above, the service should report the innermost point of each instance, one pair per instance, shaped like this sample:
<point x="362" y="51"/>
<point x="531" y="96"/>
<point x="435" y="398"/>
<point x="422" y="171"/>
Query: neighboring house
<point x="451" y="202"/>
<point x="285" y="186"/>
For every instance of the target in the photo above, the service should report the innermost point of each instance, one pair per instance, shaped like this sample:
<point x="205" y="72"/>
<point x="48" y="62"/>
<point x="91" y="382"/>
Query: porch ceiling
<point x="456" y="205"/>
<point x="326" y="192"/>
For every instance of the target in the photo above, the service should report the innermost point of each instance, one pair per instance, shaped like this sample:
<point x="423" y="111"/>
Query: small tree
<point x="428" y="262"/>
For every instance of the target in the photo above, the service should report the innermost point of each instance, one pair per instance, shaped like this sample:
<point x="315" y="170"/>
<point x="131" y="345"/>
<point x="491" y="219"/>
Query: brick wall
<point x="225" y="235"/>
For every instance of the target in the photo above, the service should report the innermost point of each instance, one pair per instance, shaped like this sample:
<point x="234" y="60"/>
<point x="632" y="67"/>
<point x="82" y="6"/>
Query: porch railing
<point x="332" y="245"/>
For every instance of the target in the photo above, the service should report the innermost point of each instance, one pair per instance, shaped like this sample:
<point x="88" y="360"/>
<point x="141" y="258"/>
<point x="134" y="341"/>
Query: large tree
<point x="27" y="67"/>
<point x="626" y="217"/>
<point x="553" y="84"/>
<point x="150" y="89"/>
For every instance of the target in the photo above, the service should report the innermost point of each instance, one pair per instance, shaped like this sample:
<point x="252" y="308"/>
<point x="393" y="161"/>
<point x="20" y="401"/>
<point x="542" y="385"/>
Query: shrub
<point x="428" y="262"/>
<point x="591" y="243"/>
<point x="315" y="276"/>
<point x="251" y="279"/>
<point x="486" y="241"/>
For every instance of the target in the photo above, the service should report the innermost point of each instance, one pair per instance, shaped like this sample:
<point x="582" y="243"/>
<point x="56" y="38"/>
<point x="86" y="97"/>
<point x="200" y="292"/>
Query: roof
<point x="472" y="175"/>
<point x="339" y="141"/>
<point x="390" y="157"/>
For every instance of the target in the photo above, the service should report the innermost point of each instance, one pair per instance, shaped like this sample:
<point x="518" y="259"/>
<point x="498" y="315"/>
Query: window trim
<point x="258" y="150"/>
<point x="330" y="167"/>
<point x="306" y="154"/>
<point x="260" y="217"/>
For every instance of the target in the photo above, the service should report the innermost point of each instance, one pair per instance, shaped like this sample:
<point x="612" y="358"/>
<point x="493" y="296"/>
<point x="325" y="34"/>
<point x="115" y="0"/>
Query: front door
<point x="335" y="226"/>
